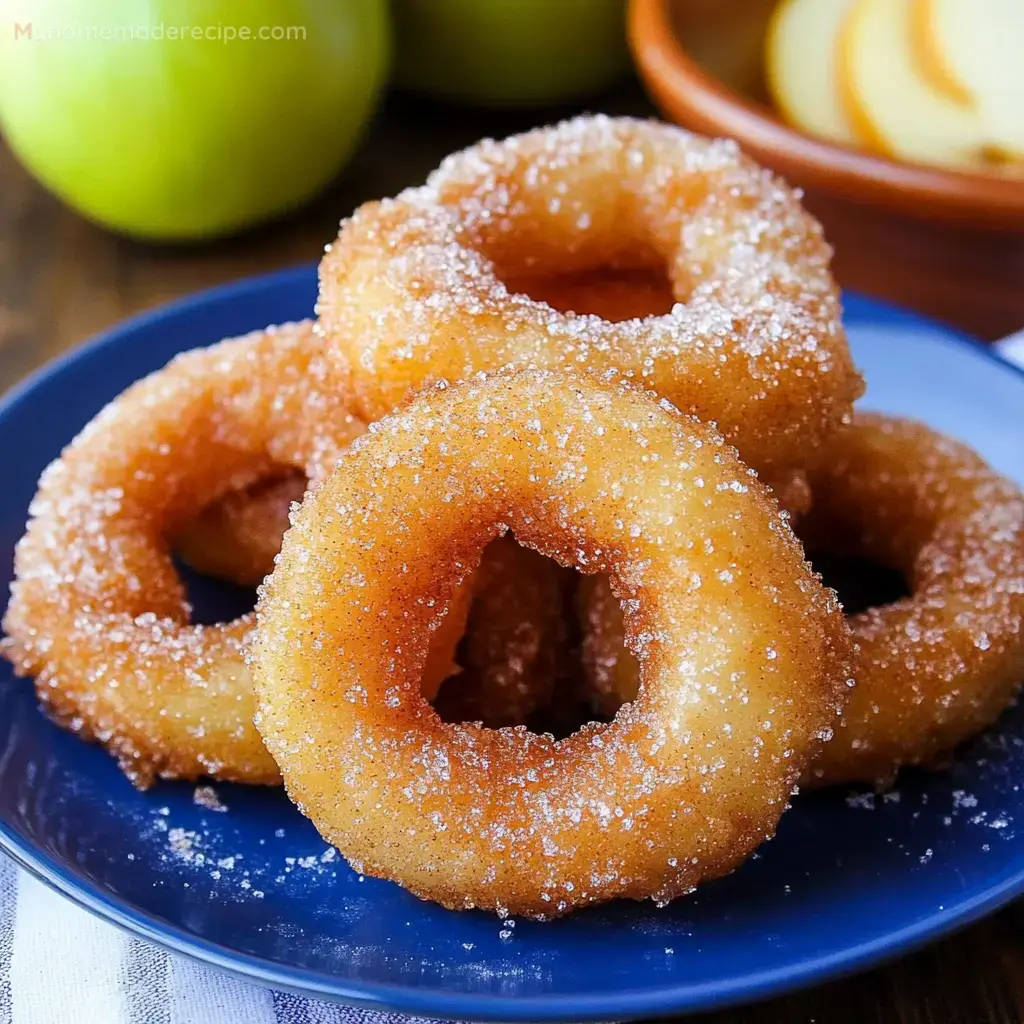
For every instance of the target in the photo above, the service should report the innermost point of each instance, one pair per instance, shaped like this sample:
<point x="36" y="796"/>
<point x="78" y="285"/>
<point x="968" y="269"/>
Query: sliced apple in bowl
<point x="892" y="106"/>
<point x="801" y="65"/>
<point x="972" y="51"/>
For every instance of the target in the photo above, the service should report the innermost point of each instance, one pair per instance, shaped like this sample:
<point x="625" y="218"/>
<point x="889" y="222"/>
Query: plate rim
<point x="676" y="998"/>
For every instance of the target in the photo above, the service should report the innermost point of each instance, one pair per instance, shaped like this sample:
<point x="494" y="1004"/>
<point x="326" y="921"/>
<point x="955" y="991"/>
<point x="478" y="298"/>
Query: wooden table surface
<point x="62" y="279"/>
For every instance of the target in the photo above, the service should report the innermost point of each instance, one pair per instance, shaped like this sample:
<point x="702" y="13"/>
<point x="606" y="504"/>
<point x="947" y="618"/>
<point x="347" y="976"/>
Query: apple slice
<point x="971" y="49"/>
<point x="892" y="106"/>
<point x="801" y="66"/>
<point x="931" y="55"/>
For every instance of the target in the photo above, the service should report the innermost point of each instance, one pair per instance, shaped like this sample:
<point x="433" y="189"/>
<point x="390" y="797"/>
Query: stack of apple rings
<point x="608" y="346"/>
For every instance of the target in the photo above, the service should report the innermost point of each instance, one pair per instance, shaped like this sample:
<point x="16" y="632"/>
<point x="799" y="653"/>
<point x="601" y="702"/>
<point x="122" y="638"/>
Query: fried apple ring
<point x="931" y="669"/>
<point x="413" y="290"/>
<point x="738" y="683"/>
<point x="938" y="666"/>
<point x="516" y="649"/>
<point x="98" y="613"/>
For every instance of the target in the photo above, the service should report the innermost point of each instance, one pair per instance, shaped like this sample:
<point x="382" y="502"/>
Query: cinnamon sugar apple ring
<point x="413" y="290"/>
<point x="938" y="666"/>
<point x="98" y="613"/>
<point x="931" y="669"/>
<point x="738" y="683"/>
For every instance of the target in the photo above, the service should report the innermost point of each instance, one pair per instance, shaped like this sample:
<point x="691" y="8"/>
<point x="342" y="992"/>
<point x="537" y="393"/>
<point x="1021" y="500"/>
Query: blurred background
<point x="145" y="156"/>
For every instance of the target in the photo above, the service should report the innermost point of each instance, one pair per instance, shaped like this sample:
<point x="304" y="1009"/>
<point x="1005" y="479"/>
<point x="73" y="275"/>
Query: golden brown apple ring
<point x="931" y="669"/>
<point x="738" y="684"/>
<point x="98" y="613"/>
<point x="938" y="666"/>
<point x="413" y="289"/>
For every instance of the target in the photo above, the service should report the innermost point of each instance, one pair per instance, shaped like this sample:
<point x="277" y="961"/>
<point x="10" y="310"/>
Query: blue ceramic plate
<point x="850" y="879"/>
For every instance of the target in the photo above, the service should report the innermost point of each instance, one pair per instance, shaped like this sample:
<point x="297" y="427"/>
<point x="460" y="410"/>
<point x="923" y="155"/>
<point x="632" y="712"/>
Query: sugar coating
<point x="934" y="668"/>
<point x="98" y="613"/>
<point x="414" y="289"/>
<point x="738" y="684"/>
<point x="611" y="672"/>
<point x="237" y="537"/>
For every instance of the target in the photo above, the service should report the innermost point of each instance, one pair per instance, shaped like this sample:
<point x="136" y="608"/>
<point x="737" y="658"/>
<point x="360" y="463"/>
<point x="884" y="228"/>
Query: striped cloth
<point x="61" y="965"/>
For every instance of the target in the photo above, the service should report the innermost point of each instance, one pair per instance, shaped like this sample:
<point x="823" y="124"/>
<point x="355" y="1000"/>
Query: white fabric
<point x="61" y="965"/>
<point x="1012" y="348"/>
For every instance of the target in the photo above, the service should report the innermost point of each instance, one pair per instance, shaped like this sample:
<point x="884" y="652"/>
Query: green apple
<point x="509" y="52"/>
<point x="163" y="121"/>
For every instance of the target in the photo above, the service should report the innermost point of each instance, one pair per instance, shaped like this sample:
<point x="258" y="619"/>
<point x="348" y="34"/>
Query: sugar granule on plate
<point x="185" y="844"/>
<point x="206" y="796"/>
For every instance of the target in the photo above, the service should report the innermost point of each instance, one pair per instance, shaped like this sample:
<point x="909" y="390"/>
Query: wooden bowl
<point x="948" y="243"/>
